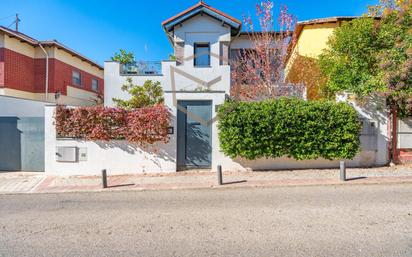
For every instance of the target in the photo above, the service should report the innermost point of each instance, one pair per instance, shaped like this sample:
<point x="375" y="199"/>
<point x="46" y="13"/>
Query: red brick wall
<point x="28" y="74"/>
<point x="1" y="67"/>
<point x="18" y="71"/>
<point x="62" y="73"/>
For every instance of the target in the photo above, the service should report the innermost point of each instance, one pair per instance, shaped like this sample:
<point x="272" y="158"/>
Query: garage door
<point x="21" y="143"/>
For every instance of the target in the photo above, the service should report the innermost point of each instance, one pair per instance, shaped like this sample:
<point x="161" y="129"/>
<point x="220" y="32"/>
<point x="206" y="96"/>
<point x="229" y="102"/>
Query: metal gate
<point x="21" y="143"/>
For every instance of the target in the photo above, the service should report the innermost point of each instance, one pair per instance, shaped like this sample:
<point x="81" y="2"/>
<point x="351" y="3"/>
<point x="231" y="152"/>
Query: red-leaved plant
<point x="258" y="72"/>
<point x="143" y="126"/>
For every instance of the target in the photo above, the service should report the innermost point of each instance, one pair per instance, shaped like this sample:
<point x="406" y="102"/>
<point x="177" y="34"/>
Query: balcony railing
<point x="141" y="68"/>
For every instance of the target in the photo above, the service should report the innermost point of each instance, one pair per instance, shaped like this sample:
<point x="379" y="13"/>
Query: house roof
<point x="201" y="8"/>
<point x="34" y="42"/>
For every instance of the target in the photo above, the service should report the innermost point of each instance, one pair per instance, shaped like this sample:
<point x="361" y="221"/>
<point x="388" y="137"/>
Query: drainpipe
<point x="47" y="72"/>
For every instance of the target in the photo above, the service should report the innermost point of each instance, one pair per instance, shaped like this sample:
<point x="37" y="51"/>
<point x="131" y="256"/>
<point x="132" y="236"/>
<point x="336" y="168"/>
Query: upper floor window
<point x="76" y="78"/>
<point x="202" y="55"/>
<point x="95" y="85"/>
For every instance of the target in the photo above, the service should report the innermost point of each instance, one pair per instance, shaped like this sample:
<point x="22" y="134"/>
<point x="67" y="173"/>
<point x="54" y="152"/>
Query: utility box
<point x="66" y="154"/>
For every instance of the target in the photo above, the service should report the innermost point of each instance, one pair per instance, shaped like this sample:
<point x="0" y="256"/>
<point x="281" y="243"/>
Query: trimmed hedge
<point x="299" y="129"/>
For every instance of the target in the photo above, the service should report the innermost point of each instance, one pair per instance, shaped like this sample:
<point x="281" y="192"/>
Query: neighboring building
<point x="310" y="39"/>
<point x="72" y="79"/>
<point x="194" y="86"/>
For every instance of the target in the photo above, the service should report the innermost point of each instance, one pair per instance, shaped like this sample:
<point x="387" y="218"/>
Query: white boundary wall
<point x="118" y="157"/>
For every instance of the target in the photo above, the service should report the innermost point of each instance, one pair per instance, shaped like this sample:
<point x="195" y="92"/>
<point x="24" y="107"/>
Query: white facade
<point x="187" y="82"/>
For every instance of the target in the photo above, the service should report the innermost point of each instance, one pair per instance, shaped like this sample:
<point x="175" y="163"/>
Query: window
<point x="95" y="85"/>
<point x="202" y="55"/>
<point x="76" y="78"/>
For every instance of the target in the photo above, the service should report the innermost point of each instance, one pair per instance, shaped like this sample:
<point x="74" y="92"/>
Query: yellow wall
<point x="15" y="45"/>
<point x="312" y="41"/>
<point x="1" y="40"/>
<point x="75" y="96"/>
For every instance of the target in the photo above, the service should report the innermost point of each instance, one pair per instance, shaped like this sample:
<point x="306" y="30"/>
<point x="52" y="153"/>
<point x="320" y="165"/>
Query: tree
<point x="395" y="58"/>
<point x="172" y="57"/>
<point x="123" y="57"/>
<point x="258" y="72"/>
<point x="150" y="94"/>
<point x="373" y="55"/>
<point x="350" y="61"/>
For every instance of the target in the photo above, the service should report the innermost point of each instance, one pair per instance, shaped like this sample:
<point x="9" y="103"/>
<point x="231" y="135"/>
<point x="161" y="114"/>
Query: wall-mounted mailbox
<point x="66" y="154"/>
<point x="82" y="154"/>
<point x="170" y="130"/>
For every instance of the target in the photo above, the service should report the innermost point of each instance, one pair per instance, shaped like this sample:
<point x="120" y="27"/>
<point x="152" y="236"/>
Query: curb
<point x="38" y="189"/>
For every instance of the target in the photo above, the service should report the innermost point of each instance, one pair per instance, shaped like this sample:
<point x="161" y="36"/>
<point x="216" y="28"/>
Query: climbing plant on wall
<point x="146" y="125"/>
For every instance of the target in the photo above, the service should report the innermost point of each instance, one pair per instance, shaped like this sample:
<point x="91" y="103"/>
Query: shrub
<point x="143" y="126"/>
<point x="150" y="94"/>
<point x="289" y="127"/>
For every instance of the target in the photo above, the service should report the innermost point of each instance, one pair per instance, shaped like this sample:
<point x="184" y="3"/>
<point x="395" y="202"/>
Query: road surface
<point x="374" y="220"/>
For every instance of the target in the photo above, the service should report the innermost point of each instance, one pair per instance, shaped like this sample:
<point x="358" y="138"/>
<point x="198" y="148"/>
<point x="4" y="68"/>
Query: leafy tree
<point x="350" y="61"/>
<point x="395" y="58"/>
<point x="150" y="94"/>
<point x="370" y="55"/>
<point x="123" y="57"/>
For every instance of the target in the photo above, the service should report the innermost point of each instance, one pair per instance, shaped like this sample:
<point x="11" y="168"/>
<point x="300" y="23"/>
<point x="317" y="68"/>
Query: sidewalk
<point x="39" y="183"/>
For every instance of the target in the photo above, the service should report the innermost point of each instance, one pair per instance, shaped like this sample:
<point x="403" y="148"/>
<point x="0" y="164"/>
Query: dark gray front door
<point x="194" y="137"/>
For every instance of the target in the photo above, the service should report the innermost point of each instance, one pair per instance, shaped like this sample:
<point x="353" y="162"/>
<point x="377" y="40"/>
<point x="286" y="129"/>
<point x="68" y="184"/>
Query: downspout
<point x="47" y="72"/>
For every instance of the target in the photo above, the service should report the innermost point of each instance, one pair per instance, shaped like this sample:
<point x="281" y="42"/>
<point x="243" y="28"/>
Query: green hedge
<point x="296" y="128"/>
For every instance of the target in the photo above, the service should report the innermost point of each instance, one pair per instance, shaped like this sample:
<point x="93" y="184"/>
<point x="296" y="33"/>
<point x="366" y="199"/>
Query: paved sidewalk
<point x="37" y="183"/>
<point x="19" y="182"/>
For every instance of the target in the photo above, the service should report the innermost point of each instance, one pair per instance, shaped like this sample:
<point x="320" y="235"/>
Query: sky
<point x="99" y="28"/>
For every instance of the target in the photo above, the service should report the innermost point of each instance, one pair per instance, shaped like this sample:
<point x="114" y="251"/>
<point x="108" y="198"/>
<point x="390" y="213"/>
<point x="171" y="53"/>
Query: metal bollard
<point x="342" y="171"/>
<point x="104" y="178"/>
<point x="219" y="175"/>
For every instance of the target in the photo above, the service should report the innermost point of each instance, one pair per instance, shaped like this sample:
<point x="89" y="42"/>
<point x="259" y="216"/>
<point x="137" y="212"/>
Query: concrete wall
<point x="17" y="107"/>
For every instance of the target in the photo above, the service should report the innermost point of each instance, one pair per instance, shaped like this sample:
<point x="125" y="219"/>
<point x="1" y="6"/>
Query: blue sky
<point x="98" y="28"/>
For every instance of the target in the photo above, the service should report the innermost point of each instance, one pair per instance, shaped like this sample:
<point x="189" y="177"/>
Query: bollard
<point x="104" y="178"/>
<point x="219" y="175"/>
<point x="342" y="171"/>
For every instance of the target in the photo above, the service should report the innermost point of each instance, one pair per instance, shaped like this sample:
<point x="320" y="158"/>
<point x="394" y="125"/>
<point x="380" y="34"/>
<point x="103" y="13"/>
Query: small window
<point x="95" y="85"/>
<point x="76" y="78"/>
<point x="202" y="55"/>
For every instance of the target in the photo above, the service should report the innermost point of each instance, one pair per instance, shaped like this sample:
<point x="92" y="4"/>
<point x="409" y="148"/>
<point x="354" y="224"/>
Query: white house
<point x="194" y="86"/>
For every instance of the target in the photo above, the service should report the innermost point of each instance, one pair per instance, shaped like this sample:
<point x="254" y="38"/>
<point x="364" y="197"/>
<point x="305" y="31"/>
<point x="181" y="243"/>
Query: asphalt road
<point x="290" y="221"/>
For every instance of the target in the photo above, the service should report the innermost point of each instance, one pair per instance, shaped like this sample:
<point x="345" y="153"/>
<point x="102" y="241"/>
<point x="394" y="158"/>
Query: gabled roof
<point x="34" y="42"/>
<point x="202" y="8"/>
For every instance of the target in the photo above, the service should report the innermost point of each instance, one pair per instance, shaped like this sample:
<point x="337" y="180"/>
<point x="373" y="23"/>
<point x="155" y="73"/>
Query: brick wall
<point x="24" y="73"/>
<point x="18" y="71"/>
<point x="62" y="77"/>
<point x="1" y="67"/>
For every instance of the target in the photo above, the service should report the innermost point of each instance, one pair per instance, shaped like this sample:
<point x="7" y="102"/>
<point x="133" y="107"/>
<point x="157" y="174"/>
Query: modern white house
<point x="194" y="86"/>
